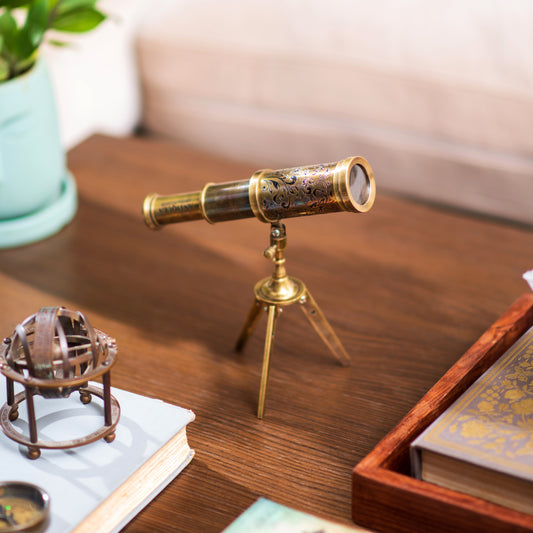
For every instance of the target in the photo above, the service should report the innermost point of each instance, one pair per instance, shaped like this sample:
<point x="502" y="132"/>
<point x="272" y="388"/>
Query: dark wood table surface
<point x="407" y="288"/>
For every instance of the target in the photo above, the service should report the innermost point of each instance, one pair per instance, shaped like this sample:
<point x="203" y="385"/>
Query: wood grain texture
<point x="406" y="287"/>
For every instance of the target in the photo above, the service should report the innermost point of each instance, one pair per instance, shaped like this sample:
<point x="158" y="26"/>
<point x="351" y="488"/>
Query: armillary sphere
<point x="54" y="353"/>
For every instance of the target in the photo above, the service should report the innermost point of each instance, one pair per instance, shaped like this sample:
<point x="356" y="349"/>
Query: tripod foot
<point x="323" y="328"/>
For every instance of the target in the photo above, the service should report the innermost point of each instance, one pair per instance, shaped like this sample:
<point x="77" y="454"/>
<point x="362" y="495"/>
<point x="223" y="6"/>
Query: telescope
<point x="270" y="196"/>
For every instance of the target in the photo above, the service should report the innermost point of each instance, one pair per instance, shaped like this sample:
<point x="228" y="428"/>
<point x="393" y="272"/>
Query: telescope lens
<point x="359" y="185"/>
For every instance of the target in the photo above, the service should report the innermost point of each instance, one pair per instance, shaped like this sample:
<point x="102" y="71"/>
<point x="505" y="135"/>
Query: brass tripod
<point x="271" y="294"/>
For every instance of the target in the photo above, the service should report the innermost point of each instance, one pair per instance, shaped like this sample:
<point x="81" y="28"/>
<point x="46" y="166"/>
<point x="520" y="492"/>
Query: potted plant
<point x="37" y="193"/>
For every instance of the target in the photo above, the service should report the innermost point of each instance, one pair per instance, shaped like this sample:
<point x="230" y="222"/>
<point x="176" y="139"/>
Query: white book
<point x="100" y="486"/>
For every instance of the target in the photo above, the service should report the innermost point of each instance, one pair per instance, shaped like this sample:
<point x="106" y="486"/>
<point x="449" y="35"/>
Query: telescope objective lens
<point x="359" y="185"/>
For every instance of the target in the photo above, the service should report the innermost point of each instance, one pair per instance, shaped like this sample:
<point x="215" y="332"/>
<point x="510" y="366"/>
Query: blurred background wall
<point x="438" y="96"/>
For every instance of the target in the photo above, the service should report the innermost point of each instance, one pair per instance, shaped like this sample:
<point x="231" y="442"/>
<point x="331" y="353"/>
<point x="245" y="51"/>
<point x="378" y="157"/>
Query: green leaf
<point x="4" y="69"/>
<point x="12" y="4"/>
<point x="36" y="22"/>
<point x="25" y="63"/>
<point x="8" y="24"/>
<point x="64" y="6"/>
<point x="55" y="42"/>
<point x="17" y="43"/>
<point x="78" y="20"/>
<point x="22" y="53"/>
<point x="8" y="30"/>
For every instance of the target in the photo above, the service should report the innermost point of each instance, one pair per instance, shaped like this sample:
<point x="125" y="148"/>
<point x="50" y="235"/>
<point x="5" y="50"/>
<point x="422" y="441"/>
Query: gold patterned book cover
<point x="483" y="443"/>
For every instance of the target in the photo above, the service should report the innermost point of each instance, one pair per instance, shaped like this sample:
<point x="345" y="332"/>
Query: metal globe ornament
<point x="54" y="353"/>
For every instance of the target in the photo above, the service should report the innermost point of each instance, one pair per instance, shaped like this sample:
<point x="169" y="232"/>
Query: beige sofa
<point x="438" y="96"/>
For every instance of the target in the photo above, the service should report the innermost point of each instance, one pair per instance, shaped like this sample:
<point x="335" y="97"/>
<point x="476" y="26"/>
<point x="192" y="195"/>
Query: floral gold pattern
<point x="493" y="420"/>
<point x="289" y="190"/>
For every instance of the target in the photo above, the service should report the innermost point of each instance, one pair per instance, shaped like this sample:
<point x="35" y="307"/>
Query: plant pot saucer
<point x="43" y="223"/>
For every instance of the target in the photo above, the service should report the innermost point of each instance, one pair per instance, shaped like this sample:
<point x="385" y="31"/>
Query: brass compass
<point x="23" y="507"/>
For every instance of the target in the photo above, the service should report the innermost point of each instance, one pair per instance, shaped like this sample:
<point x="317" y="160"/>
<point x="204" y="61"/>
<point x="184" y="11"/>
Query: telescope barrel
<point x="271" y="195"/>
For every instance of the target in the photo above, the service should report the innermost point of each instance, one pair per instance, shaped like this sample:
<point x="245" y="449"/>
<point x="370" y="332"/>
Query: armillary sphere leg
<point x="33" y="451"/>
<point x="31" y="415"/>
<point x="14" y="412"/>
<point x="108" y="416"/>
<point x="10" y="391"/>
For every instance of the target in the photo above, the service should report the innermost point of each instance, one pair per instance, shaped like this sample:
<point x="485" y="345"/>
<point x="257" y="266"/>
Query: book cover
<point x="485" y="438"/>
<point x="99" y="486"/>
<point x="266" y="516"/>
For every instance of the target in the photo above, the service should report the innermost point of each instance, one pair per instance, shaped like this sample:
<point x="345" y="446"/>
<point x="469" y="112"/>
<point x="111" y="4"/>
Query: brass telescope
<point x="271" y="195"/>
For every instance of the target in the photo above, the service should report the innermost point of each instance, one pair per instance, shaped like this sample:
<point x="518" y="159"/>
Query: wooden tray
<point x="386" y="498"/>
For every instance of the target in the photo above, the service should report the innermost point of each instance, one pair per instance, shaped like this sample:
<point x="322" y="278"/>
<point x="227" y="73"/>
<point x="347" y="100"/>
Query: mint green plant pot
<point x="37" y="194"/>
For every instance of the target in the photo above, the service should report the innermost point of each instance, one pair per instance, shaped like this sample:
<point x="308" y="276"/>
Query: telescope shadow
<point x="164" y="284"/>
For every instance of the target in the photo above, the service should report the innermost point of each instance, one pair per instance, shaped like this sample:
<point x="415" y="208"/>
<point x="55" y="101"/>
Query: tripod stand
<point x="271" y="294"/>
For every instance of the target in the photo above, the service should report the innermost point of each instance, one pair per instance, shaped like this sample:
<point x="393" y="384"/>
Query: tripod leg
<point x="251" y="321"/>
<point x="323" y="328"/>
<point x="273" y="313"/>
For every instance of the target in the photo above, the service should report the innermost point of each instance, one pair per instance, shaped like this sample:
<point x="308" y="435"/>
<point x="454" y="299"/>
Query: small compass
<point x="23" y="507"/>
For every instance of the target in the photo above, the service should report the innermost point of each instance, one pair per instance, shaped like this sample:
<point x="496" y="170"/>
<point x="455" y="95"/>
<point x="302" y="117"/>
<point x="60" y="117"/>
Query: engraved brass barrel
<point x="271" y="195"/>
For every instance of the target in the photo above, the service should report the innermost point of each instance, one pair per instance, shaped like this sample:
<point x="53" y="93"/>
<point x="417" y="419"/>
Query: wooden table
<point x="407" y="287"/>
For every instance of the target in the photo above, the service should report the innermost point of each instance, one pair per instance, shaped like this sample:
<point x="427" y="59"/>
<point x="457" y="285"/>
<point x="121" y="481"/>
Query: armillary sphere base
<point x="106" y="432"/>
